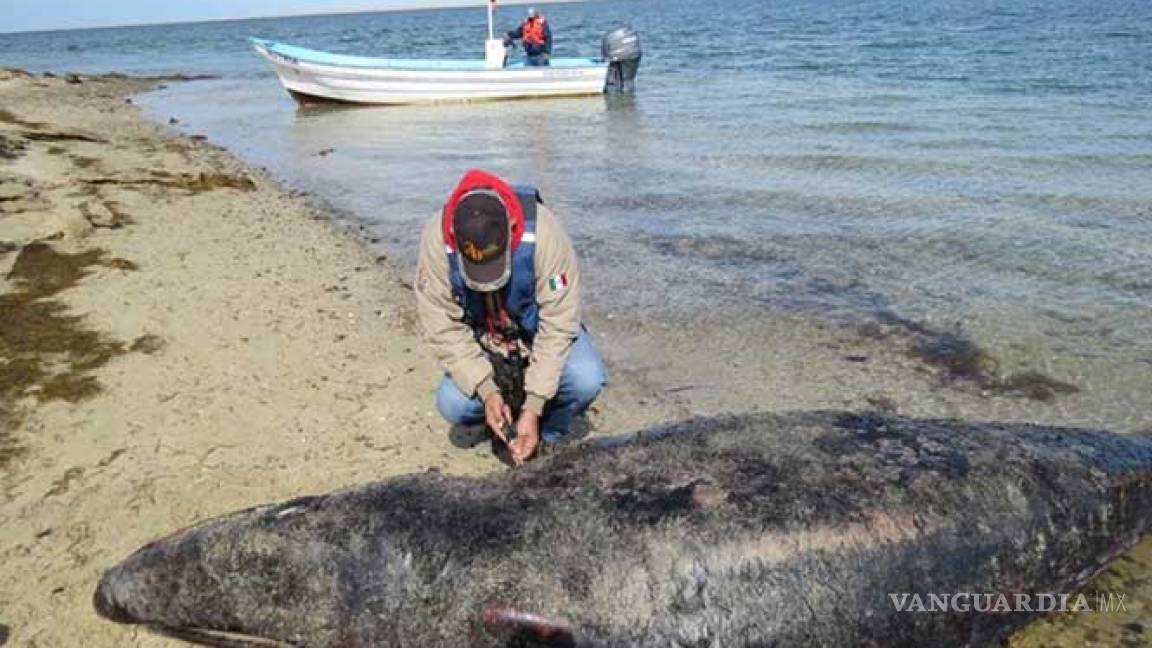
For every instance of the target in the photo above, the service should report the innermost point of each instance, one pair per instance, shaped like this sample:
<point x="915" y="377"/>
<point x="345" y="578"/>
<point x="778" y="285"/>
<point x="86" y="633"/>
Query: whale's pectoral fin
<point x="521" y="629"/>
<point x="217" y="639"/>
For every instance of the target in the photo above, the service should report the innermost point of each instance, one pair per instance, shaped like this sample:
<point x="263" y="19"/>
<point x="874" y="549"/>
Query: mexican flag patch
<point x="558" y="283"/>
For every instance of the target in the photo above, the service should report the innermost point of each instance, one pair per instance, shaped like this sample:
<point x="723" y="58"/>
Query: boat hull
<point x="311" y="81"/>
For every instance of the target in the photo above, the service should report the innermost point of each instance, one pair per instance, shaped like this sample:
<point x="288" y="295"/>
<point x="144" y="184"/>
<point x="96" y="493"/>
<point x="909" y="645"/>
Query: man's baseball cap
<point x="483" y="231"/>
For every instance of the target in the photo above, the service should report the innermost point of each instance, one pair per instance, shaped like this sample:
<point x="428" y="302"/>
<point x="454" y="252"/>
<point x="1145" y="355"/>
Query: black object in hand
<point x="508" y="373"/>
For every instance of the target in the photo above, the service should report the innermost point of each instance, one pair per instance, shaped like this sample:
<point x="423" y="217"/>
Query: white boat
<point x="313" y="76"/>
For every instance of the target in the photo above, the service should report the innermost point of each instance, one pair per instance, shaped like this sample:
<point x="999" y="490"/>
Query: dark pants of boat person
<point x="537" y="60"/>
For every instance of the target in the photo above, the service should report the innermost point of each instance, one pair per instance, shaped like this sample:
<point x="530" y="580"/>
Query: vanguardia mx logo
<point x="1106" y="602"/>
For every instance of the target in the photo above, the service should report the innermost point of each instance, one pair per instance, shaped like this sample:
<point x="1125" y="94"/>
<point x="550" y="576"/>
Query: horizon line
<point x="447" y="4"/>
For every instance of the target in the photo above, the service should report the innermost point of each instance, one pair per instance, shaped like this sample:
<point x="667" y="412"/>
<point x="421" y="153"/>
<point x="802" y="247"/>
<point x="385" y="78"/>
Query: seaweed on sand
<point x="959" y="359"/>
<point x="194" y="183"/>
<point x="7" y="117"/>
<point x="11" y="147"/>
<point x="46" y="352"/>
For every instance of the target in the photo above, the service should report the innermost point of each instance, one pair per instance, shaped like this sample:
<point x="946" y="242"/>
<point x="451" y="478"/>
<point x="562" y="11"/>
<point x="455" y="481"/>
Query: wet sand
<point x="183" y="337"/>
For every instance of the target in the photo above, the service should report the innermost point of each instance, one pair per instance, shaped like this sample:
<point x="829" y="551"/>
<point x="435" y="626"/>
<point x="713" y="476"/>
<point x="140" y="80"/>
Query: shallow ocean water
<point x="985" y="164"/>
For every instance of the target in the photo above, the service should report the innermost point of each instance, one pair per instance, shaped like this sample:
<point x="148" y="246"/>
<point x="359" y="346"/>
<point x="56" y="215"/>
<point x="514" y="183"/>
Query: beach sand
<point x="182" y="337"/>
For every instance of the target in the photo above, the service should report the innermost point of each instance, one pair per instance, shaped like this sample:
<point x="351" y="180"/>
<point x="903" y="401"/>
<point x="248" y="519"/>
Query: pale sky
<point x="25" y="15"/>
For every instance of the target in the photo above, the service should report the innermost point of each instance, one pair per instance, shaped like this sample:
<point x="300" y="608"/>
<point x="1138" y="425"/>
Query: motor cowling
<point x="621" y="48"/>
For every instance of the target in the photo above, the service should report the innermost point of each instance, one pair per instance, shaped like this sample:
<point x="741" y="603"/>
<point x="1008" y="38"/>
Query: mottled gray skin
<point x="757" y="530"/>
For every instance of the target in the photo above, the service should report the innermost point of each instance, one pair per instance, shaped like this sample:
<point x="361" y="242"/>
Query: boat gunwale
<point x="267" y="49"/>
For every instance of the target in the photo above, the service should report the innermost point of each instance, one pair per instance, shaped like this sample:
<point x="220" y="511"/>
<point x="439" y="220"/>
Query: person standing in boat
<point x="496" y="281"/>
<point x="536" y="36"/>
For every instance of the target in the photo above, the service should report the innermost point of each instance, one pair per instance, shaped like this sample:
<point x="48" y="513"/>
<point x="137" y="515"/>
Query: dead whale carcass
<point x="804" y="529"/>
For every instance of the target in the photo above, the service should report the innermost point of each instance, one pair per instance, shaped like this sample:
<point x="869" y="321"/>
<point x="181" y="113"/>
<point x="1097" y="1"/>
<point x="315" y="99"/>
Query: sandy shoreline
<point x="185" y="337"/>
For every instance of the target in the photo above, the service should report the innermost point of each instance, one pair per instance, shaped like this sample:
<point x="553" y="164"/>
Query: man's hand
<point x="527" y="437"/>
<point x="497" y="414"/>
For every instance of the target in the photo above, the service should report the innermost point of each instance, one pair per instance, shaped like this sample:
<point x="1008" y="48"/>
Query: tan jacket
<point x="451" y="340"/>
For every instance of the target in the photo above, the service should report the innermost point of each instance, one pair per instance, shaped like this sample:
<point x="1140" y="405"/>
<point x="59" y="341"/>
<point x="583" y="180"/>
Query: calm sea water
<point x="981" y="163"/>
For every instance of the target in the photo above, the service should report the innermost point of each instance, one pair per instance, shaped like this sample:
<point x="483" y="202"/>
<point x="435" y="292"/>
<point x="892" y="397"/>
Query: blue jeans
<point x="580" y="383"/>
<point x="536" y="60"/>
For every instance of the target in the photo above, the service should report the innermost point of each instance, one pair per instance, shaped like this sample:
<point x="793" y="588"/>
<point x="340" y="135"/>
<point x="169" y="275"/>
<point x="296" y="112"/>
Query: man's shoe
<point x="580" y="428"/>
<point x="468" y="436"/>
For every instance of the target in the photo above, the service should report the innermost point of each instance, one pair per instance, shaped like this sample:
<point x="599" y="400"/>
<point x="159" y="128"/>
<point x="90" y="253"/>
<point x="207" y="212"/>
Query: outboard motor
<point x="621" y="48"/>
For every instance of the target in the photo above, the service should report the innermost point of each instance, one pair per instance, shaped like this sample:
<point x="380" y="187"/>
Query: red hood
<point x="477" y="179"/>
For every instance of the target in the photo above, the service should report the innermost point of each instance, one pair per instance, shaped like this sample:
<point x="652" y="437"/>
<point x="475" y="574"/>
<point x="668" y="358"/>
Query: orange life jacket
<point x="533" y="31"/>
